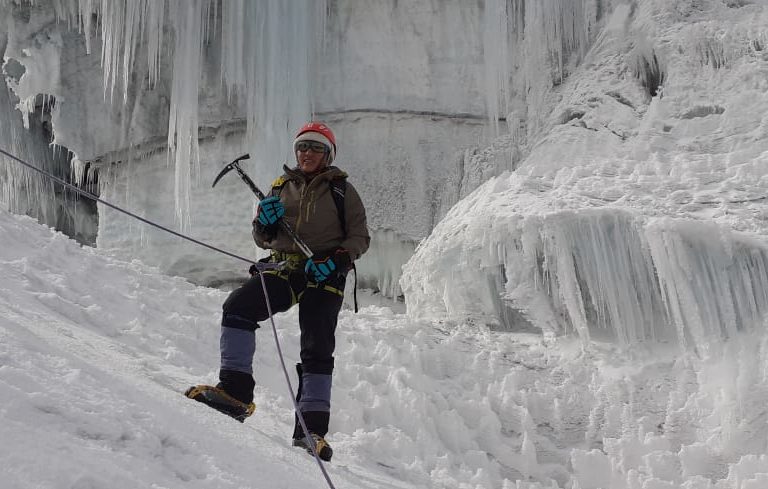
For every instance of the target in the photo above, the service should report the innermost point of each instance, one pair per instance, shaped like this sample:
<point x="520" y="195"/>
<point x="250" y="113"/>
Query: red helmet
<point x="317" y="131"/>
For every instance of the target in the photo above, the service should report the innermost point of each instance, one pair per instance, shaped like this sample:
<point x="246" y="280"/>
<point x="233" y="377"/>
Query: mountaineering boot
<point x="317" y="425"/>
<point x="323" y="449"/>
<point x="233" y="395"/>
<point x="218" y="399"/>
<point x="237" y="384"/>
<point x="316" y="422"/>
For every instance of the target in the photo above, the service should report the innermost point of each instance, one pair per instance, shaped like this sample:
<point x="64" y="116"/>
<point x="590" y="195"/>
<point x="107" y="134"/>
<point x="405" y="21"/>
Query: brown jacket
<point x="311" y="211"/>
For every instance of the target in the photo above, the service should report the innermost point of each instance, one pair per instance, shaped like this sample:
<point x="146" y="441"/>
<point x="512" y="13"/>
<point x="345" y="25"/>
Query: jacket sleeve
<point x="358" y="239"/>
<point x="263" y="234"/>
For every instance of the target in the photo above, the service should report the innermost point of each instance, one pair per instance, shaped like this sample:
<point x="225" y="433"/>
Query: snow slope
<point x="94" y="353"/>
<point x="93" y="358"/>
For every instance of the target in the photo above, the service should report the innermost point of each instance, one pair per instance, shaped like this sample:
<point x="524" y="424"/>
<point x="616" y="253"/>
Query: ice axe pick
<point x="235" y="165"/>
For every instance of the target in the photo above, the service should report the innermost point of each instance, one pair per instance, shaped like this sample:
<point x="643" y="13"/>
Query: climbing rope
<point x="300" y="417"/>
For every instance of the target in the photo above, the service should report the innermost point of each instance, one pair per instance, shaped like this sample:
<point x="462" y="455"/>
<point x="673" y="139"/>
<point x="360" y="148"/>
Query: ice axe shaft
<point x="235" y="165"/>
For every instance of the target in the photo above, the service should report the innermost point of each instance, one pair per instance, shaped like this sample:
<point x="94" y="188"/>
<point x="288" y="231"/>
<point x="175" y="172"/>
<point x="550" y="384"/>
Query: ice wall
<point x="149" y="187"/>
<point x="423" y="84"/>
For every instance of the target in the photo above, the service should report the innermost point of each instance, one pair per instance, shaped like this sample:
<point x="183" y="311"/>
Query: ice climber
<point x="326" y="212"/>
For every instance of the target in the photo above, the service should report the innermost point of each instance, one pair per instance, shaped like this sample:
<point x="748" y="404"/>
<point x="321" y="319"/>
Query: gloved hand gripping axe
<point x="235" y="165"/>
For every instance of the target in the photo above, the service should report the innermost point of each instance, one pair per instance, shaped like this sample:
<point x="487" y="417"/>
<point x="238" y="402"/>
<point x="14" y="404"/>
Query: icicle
<point x="153" y="28"/>
<point x="495" y="58"/>
<point x="389" y="251"/>
<point x="78" y="171"/>
<point x="122" y="26"/>
<point x="132" y="32"/>
<point x="210" y="14"/>
<point x="84" y="14"/>
<point x="232" y="44"/>
<point x="182" y="122"/>
<point x="711" y="292"/>
<point x="279" y="81"/>
<point x="112" y="27"/>
<point x="529" y="463"/>
<point x="546" y="34"/>
<point x="269" y="50"/>
<point x="66" y="10"/>
<point x="597" y="265"/>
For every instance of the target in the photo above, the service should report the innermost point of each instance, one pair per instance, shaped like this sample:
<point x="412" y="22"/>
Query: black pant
<point x="319" y="307"/>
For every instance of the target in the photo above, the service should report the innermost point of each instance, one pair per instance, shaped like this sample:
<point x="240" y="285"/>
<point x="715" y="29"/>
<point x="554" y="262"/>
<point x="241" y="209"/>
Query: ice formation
<point x="269" y="93"/>
<point x="639" y="216"/>
<point x="190" y="70"/>
<point x="182" y="124"/>
<point x="602" y="274"/>
<point x="27" y="134"/>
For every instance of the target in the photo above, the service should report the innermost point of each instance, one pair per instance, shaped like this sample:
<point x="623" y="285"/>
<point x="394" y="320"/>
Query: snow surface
<point x="95" y="353"/>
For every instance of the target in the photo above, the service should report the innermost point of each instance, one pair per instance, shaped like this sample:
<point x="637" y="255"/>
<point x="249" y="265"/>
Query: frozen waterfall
<point x="187" y="86"/>
<point x="175" y="76"/>
<point x="263" y="52"/>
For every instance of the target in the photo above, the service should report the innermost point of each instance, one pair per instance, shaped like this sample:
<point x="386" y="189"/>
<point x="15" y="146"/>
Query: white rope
<point x="299" y="416"/>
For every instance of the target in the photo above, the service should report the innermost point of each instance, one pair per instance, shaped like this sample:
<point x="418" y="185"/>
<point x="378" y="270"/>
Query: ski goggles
<point x="313" y="146"/>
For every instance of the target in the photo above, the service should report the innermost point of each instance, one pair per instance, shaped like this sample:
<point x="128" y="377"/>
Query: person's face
<point x="310" y="156"/>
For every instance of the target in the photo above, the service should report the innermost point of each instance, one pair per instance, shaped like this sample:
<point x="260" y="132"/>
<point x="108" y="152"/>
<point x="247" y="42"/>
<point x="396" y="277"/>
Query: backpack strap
<point x="277" y="185"/>
<point x="338" y="189"/>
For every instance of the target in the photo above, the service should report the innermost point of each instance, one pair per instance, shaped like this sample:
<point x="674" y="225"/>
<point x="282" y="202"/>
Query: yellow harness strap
<point x="295" y="261"/>
<point x="326" y="287"/>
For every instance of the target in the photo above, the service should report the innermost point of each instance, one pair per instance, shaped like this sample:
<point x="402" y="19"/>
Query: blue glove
<point x="270" y="210"/>
<point x="319" y="269"/>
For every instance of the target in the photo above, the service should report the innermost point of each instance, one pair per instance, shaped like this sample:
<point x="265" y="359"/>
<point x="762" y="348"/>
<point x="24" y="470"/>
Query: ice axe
<point x="235" y="165"/>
